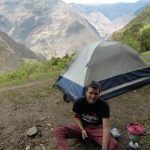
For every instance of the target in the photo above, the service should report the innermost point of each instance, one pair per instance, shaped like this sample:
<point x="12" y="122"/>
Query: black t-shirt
<point x="91" y="114"/>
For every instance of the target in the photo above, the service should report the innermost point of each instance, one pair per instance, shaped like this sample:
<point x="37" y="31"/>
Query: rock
<point x="57" y="102"/>
<point x="49" y="124"/>
<point x="32" y="131"/>
<point x="148" y="132"/>
<point x="52" y="129"/>
<point x="14" y="108"/>
<point x="42" y="119"/>
<point x="28" y="147"/>
<point x="43" y="148"/>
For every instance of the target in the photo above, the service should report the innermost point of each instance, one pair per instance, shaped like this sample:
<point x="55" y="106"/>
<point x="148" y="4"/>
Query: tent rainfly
<point x="116" y="67"/>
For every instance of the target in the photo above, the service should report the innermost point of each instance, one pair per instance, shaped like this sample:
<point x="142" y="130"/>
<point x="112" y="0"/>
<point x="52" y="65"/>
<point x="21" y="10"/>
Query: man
<point x="92" y="120"/>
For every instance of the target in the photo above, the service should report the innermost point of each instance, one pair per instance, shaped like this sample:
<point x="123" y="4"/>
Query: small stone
<point x="49" y="124"/>
<point x="57" y="102"/>
<point x="28" y="147"/>
<point x="32" y="131"/>
<point x="42" y="119"/>
<point x="14" y="108"/>
<point x="42" y="146"/>
<point x="148" y="132"/>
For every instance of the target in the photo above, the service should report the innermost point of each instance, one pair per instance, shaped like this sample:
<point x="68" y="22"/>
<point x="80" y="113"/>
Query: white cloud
<point x="98" y="1"/>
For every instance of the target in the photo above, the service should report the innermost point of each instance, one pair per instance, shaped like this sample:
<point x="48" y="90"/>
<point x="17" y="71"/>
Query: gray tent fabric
<point x="117" y="67"/>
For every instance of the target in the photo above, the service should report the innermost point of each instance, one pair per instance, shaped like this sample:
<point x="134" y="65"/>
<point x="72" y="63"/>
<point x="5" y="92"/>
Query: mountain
<point x="12" y="54"/>
<point x="113" y="11"/>
<point x="137" y="32"/>
<point x="47" y="27"/>
<point x="108" y="18"/>
<point x="103" y="25"/>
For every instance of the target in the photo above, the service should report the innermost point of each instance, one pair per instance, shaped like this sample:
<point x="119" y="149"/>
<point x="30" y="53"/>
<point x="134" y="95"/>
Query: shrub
<point x="35" y="69"/>
<point x="145" y="40"/>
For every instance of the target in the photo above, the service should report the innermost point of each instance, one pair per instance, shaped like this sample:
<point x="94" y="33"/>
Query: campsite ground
<point x="37" y="104"/>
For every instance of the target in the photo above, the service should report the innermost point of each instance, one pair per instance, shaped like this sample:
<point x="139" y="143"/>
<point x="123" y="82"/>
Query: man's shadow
<point x="80" y="144"/>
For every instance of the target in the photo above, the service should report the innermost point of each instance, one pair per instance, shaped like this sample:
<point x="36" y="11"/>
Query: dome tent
<point x="116" y="67"/>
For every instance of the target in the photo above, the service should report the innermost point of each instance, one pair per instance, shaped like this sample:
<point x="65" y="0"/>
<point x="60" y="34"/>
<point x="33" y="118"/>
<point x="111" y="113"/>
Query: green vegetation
<point x="137" y="33"/>
<point x="145" y="40"/>
<point x="34" y="71"/>
<point x="146" y="56"/>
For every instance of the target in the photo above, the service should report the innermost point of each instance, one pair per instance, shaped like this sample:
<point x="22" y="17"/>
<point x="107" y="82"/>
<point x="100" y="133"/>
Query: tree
<point x="145" y="40"/>
<point x="136" y="27"/>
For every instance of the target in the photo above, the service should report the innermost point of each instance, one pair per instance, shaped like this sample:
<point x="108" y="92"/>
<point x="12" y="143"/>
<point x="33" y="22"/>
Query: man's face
<point x="92" y="95"/>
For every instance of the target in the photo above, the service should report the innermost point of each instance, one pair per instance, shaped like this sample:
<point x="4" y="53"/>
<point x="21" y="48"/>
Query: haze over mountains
<point x="53" y="28"/>
<point x="113" y="11"/>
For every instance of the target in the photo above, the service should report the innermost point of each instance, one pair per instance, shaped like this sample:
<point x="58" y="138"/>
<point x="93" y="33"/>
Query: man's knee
<point x="59" y="130"/>
<point x="113" y="143"/>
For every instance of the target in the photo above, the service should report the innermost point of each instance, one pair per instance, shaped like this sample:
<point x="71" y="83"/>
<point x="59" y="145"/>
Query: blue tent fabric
<point x="70" y="88"/>
<point x="124" y="78"/>
<point x="125" y="89"/>
<point x="74" y="91"/>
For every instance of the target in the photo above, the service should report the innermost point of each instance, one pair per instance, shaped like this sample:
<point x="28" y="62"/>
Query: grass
<point x="33" y="77"/>
<point x="146" y="56"/>
<point x="31" y="71"/>
<point x="38" y="76"/>
<point x="11" y="83"/>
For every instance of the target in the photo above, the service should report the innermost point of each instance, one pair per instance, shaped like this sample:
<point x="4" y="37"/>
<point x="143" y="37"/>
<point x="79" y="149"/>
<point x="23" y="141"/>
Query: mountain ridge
<point x="121" y="14"/>
<point x="12" y="54"/>
<point x="118" y="9"/>
<point x="51" y="28"/>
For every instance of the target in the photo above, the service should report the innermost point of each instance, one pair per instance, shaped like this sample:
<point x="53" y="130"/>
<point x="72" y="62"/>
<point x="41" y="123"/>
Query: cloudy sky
<point x="98" y="1"/>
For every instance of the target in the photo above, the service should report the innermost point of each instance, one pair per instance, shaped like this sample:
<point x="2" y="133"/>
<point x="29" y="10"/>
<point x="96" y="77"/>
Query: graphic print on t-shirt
<point x="90" y="118"/>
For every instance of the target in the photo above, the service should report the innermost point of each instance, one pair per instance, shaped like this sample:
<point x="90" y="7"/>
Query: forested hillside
<point x="137" y="32"/>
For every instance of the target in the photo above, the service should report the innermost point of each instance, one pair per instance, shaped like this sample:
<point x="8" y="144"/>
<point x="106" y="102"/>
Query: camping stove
<point x="134" y="134"/>
<point x="134" y="140"/>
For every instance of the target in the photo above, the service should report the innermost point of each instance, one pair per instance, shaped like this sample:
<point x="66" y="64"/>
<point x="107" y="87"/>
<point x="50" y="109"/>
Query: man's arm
<point x="79" y="123"/>
<point x="106" y="133"/>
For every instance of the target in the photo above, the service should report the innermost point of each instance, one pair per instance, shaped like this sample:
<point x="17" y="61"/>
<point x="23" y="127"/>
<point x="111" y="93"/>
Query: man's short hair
<point x="94" y="85"/>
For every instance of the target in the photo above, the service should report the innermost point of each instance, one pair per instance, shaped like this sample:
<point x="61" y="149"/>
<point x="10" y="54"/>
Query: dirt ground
<point x="37" y="104"/>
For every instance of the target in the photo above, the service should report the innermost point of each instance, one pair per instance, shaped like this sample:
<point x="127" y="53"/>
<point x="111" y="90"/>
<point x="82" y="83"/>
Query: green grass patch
<point x="13" y="82"/>
<point x="46" y="75"/>
<point x="147" y="26"/>
<point x="34" y="71"/>
<point x="146" y="56"/>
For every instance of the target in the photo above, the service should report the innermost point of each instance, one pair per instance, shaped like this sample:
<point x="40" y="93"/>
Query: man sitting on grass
<point x="92" y="120"/>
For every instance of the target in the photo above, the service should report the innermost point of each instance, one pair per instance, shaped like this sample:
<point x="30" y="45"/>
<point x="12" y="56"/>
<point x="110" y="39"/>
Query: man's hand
<point x="84" y="134"/>
<point x="79" y="123"/>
